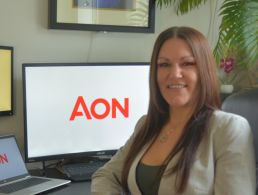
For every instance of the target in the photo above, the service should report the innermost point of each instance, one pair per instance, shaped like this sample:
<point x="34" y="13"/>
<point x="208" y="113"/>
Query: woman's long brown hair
<point x="158" y="111"/>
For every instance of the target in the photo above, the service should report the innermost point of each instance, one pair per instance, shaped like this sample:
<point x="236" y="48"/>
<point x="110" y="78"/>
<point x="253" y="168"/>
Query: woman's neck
<point x="179" y="116"/>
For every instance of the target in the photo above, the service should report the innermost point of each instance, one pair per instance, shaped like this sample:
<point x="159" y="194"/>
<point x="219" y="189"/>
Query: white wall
<point x="24" y="25"/>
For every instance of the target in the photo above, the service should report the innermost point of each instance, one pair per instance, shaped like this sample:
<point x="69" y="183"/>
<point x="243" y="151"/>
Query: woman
<point x="185" y="144"/>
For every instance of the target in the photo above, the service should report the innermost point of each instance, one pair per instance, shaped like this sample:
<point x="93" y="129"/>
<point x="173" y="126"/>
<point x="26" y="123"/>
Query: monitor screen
<point x="6" y="80"/>
<point x="81" y="109"/>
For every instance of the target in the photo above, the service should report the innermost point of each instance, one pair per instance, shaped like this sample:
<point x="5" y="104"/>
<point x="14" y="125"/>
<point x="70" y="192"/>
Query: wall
<point x="24" y="25"/>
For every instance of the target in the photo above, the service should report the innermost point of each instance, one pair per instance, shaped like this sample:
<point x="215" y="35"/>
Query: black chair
<point x="245" y="103"/>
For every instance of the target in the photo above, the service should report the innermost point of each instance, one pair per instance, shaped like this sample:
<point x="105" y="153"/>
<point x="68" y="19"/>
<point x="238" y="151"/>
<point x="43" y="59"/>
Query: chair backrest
<point x="245" y="103"/>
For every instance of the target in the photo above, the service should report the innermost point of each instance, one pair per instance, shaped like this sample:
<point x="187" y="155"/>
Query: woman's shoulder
<point x="225" y="123"/>
<point x="222" y="117"/>
<point x="140" y="123"/>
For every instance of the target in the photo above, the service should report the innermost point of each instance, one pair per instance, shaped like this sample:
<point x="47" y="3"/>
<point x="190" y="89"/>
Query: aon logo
<point x="110" y="108"/>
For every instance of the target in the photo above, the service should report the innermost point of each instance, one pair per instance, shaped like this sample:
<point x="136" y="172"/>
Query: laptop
<point x="14" y="176"/>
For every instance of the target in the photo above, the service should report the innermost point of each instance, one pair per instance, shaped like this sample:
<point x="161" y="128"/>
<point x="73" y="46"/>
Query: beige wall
<point x="24" y="25"/>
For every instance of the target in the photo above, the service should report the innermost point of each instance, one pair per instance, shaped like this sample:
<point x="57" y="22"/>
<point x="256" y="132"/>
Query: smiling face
<point x="177" y="74"/>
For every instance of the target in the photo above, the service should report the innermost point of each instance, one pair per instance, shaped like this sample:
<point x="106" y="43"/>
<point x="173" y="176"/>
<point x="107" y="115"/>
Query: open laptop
<point x="14" y="176"/>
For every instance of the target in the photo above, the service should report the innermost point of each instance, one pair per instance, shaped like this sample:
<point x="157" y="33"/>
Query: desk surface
<point x="73" y="188"/>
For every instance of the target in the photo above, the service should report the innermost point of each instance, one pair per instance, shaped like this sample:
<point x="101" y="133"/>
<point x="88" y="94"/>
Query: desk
<point x="74" y="188"/>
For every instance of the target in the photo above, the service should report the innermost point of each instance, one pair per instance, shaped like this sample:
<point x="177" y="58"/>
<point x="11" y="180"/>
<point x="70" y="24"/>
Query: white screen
<point x="51" y="93"/>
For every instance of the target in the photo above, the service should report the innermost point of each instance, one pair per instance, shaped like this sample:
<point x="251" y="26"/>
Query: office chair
<point x="245" y="103"/>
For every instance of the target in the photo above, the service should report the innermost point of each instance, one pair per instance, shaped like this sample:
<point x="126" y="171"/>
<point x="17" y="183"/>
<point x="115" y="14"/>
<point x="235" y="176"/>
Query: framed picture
<point x="104" y="4"/>
<point x="6" y="80"/>
<point x="136" y="16"/>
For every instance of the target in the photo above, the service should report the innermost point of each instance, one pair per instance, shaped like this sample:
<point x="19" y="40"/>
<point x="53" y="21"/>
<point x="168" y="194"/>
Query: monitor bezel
<point x="87" y="154"/>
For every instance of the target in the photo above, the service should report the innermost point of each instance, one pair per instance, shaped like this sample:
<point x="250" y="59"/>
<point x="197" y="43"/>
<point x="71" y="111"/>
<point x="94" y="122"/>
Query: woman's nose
<point x="175" y="72"/>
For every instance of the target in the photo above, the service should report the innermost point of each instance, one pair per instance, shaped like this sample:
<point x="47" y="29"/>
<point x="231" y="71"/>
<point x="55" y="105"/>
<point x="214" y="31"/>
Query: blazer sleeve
<point x="107" y="179"/>
<point x="235" y="171"/>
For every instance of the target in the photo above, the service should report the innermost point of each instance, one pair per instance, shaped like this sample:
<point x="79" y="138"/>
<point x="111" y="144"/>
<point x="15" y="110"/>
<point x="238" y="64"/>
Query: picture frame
<point x="6" y="80"/>
<point x="136" y="16"/>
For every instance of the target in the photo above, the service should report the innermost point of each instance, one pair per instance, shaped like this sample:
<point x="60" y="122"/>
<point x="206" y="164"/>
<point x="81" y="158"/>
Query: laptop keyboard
<point x="13" y="187"/>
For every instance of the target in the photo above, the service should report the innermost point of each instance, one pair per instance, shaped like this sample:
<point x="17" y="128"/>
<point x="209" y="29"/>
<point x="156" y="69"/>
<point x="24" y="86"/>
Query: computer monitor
<point x="81" y="109"/>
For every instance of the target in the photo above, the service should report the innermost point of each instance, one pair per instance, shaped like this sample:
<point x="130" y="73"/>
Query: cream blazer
<point x="224" y="165"/>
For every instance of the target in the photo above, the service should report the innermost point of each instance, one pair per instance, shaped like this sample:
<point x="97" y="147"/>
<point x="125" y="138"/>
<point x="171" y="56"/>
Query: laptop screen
<point x="11" y="161"/>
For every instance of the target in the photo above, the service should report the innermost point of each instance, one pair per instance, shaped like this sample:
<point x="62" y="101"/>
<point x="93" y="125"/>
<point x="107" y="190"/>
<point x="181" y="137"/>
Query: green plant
<point x="238" y="28"/>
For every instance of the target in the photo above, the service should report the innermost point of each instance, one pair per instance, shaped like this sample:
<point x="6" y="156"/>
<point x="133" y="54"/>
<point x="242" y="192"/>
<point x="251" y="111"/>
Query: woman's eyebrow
<point x="187" y="58"/>
<point x="162" y="58"/>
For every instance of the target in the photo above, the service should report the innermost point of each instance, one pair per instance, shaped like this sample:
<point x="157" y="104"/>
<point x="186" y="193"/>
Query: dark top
<point x="148" y="178"/>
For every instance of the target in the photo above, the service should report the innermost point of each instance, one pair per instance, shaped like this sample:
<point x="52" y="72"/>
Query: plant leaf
<point x="239" y="30"/>
<point x="181" y="6"/>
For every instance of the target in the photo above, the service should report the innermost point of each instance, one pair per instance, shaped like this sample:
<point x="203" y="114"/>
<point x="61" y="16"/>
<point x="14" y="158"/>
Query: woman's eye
<point x="163" y="64"/>
<point x="188" y="63"/>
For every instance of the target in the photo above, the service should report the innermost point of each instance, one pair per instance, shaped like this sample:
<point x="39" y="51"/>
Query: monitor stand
<point x="81" y="169"/>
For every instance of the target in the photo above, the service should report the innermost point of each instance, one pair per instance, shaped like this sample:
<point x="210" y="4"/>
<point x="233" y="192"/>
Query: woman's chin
<point x="178" y="103"/>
